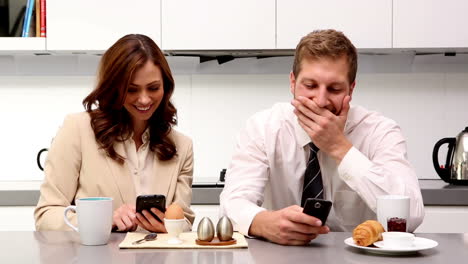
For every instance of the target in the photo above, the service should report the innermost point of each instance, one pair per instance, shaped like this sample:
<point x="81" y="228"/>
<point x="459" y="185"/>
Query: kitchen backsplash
<point x="426" y="95"/>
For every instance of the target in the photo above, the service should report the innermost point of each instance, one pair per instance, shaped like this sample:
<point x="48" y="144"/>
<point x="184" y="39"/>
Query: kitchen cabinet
<point x="218" y="24"/>
<point x="444" y="219"/>
<point x="368" y="23"/>
<point x="19" y="218"/>
<point x="430" y="23"/>
<point x="89" y="25"/>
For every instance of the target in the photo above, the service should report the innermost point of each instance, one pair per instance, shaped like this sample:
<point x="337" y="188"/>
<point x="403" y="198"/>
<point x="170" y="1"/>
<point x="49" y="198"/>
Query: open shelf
<point x="11" y="45"/>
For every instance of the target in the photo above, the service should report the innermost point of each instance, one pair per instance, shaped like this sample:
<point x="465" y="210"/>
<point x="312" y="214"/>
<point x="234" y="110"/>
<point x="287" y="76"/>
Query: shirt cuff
<point x="244" y="218"/>
<point x="353" y="166"/>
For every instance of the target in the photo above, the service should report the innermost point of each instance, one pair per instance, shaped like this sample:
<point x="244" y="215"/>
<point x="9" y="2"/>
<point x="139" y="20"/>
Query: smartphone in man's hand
<point x="146" y="202"/>
<point x="318" y="208"/>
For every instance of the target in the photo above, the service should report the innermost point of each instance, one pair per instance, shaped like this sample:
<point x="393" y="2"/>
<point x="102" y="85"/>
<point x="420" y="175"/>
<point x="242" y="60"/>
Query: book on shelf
<point x="28" y="16"/>
<point x="34" y="19"/>
<point x="32" y="24"/>
<point x="37" y="14"/>
<point x="42" y="19"/>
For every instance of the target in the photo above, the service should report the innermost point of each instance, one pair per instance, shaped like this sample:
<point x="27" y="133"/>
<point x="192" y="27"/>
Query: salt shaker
<point x="205" y="230"/>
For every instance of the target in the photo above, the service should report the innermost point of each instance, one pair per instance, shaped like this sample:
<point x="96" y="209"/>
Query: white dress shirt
<point x="269" y="161"/>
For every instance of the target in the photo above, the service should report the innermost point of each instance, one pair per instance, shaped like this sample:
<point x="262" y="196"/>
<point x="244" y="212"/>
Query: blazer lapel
<point x="122" y="176"/>
<point x="164" y="172"/>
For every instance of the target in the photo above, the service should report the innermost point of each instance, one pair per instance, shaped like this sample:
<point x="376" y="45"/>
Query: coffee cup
<point x="398" y="239"/>
<point x="94" y="216"/>
<point x="393" y="212"/>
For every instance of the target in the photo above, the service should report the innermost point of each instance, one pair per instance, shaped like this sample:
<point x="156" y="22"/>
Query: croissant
<point x="367" y="233"/>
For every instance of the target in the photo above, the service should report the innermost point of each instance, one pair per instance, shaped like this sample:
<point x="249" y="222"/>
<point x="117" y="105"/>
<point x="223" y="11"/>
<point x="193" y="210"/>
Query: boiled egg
<point x="174" y="211"/>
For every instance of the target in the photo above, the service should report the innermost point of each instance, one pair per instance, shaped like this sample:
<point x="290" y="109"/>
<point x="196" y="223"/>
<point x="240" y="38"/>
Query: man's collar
<point x="302" y="137"/>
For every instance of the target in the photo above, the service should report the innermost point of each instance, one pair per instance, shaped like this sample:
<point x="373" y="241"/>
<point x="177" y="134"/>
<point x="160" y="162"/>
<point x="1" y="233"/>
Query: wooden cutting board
<point x="188" y="239"/>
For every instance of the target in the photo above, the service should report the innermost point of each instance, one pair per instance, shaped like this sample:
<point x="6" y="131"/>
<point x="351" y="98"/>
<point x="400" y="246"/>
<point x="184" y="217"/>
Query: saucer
<point x="420" y="243"/>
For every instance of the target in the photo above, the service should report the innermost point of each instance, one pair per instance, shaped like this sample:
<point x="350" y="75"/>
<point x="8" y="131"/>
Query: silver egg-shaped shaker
<point x="224" y="229"/>
<point x="205" y="230"/>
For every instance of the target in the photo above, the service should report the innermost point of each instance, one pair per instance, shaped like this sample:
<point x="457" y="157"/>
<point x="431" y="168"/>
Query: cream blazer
<point x="76" y="167"/>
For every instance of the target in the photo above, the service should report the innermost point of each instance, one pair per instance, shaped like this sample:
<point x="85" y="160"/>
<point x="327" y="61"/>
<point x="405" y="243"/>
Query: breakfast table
<point x="64" y="247"/>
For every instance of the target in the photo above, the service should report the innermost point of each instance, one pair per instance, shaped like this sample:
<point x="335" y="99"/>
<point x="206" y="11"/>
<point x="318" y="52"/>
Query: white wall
<point x="426" y="95"/>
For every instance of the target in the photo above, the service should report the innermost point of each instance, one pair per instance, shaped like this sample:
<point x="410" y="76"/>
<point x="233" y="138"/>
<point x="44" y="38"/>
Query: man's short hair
<point x="327" y="43"/>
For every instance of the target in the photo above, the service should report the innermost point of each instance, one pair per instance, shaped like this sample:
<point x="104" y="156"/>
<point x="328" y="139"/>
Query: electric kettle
<point x="38" y="158"/>
<point x="455" y="170"/>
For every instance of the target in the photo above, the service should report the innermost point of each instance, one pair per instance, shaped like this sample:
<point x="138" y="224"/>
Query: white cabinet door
<point x="367" y="23"/>
<point x="95" y="25"/>
<point x="444" y="219"/>
<point x="430" y="23"/>
<point x="210" y="211"/>
<point x="17" y="218"/>
<point x="218" y="24"/>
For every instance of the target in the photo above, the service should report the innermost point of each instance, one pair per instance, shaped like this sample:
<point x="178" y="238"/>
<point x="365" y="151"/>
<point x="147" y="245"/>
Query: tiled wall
<point x="426" y="95"/>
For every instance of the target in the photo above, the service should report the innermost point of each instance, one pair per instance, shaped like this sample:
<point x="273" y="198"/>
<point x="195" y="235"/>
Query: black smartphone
<point x="318" y="208"/>
<point x="146" y="202"/>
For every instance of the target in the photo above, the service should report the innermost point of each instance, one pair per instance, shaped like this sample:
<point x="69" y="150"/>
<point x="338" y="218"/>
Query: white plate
<point x="420" y="243"/>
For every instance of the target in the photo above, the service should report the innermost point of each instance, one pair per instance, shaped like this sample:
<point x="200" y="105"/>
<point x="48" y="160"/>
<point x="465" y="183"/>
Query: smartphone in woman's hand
<point x="146" y="202"/>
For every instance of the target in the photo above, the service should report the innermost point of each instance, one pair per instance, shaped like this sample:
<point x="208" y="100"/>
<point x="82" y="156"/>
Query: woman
<point x="123" y="145"/>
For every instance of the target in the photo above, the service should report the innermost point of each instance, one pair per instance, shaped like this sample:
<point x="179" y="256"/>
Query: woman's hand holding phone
<point x="147" y="221"/>
<point x="124" y="218"/>
<point x="150" y="210"/>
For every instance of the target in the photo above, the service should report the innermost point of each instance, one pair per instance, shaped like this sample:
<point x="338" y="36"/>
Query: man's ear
<point x="351" y="89"/>
<point x="292" y="82"/>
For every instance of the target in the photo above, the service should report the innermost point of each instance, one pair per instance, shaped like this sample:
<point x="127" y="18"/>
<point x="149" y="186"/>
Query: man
<point x="361" y="154"/>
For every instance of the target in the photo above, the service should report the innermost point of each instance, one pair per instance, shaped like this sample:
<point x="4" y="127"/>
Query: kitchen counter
<point x="438" y="192"/>
<point x="27" y="193"/>
<point x="63" y="247"/>
<point x="434" y="192"/>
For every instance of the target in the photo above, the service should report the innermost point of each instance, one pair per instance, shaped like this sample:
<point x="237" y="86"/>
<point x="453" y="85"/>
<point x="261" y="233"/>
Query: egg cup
<point x="174" y="227"/>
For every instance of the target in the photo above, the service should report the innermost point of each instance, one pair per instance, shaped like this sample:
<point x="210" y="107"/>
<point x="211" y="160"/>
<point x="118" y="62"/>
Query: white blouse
<point x="140" y="163"/>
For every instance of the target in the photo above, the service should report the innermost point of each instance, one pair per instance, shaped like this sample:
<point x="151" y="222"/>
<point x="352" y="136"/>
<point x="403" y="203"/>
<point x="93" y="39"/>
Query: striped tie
<point x="313" y="186"/>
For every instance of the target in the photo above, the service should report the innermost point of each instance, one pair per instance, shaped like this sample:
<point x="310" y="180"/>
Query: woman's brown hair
<point x="110" y="120"/>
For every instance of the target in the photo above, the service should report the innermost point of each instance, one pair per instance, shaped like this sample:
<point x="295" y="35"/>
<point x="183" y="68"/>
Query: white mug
<point x="393" y="206"/>
<point x="94" y="219"/>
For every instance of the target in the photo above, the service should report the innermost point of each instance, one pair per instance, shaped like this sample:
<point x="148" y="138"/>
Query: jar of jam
<point x="396" y="224"/>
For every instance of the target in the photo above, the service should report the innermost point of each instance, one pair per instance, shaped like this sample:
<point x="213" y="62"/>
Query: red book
<point x="43" y="18"/>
